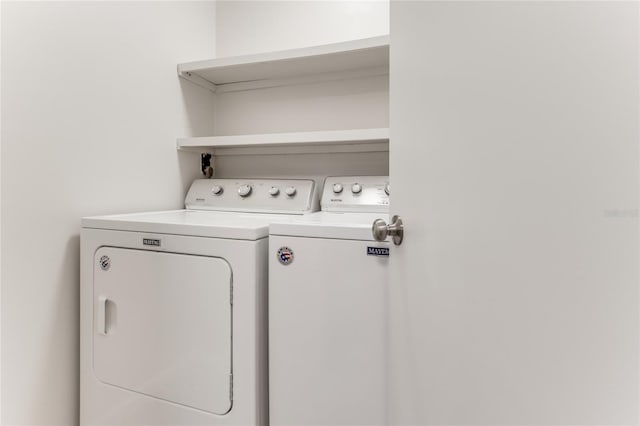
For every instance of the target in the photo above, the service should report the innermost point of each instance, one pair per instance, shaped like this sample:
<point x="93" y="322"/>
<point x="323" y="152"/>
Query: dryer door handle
<point x="101" y="315"/>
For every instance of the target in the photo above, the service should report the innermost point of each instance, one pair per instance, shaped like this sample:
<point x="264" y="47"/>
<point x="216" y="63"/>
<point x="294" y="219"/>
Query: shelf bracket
<point x="205" y="164"/>
<point x="196" y="79"/>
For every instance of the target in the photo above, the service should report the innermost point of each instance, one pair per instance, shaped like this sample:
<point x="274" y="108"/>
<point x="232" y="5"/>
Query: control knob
<point x="337" y="188"/>
<point x="386" y="189"/>
<point x="244" y="190"/>
<point x="274" y="191"/>
<point x="290" y="191"/>
<point x="217" y="190"/>
<point x="356" y="188"/>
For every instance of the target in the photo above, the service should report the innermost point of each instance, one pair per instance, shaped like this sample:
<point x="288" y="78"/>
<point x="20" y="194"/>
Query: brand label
<point x="378" y="251"/>
<point x="151" y="242"/>
<point x="285" y="255"/>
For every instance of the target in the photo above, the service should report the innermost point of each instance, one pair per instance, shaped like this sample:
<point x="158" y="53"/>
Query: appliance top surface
<point x="222" y="208"/>
<point x="350" y="204"/>
<point x="233" y="225"/>
<point x="330" y="225"/>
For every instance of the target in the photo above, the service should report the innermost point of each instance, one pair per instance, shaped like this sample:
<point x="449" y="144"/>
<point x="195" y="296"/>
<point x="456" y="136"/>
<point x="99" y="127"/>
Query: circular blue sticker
<point x="285" y="255"/>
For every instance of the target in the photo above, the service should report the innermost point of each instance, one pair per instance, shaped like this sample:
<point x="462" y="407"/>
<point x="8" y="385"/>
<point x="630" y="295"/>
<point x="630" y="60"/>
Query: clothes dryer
<point x="173" y="307"/>
<point x="327" y="310"/>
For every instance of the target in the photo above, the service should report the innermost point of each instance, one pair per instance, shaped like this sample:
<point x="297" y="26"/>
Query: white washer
<point x="327" y="310"/>
<point x="173" y="307"/>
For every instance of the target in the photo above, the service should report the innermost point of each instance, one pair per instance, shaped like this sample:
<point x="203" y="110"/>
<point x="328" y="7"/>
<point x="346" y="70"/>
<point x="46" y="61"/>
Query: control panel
<point x="294" y="196"/>
<point x="356" y="194"/>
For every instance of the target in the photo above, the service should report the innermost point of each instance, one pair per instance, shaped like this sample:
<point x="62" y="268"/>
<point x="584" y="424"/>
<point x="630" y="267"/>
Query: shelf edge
<point x="324" y="137"/>
<point x="289" y="54"/>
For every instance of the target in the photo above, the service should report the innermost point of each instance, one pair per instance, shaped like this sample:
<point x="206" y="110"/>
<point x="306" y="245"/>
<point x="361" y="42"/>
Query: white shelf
<point x="369" y="56"/>
<point x="357" y="140"/>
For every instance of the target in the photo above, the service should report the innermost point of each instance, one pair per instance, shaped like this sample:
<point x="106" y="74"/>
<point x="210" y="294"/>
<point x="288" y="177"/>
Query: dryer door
<point x="162" y="326"/>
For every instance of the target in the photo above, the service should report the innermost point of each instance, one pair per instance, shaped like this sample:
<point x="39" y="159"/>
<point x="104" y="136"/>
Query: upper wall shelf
<point x="370" y="55"/>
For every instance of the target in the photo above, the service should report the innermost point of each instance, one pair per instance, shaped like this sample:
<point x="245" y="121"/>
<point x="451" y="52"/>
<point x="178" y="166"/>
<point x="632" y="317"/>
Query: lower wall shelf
<point x="356" y="140"/>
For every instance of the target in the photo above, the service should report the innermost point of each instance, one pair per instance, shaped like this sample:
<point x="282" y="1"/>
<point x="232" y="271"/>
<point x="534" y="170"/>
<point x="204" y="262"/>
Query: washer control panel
<point x="295" y="196"/>
<point x="356" y="194"/>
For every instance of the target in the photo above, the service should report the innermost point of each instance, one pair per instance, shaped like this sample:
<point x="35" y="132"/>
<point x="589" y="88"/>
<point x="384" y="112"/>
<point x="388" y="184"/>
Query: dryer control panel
<point x="293" y="196"/>
<point x="356" y="194"/>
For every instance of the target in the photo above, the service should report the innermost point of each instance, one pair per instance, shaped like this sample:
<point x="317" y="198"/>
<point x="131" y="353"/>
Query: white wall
<point x="91" y="106"/>
<point x="246" y="27"/>
<point x="0" y="220"/>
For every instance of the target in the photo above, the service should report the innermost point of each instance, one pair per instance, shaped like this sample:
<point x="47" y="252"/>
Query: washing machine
<point x="327" y="310"/>
<point x="173" y="307"/>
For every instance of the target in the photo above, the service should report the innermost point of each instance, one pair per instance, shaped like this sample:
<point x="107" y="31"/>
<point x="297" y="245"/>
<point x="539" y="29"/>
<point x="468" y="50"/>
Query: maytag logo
<point x="285" y="255"/>
<point x="378" y="251"/>
<point x="105" y="263"/>
<point x="151" y="242"/>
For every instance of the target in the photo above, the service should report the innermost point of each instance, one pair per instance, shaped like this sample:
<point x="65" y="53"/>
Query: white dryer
<point x="173" y="307"/>
<point x="327" y="310"/>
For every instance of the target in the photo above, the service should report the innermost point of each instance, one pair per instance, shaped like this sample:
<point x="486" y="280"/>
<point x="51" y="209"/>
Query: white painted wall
<point x="91" y="106"/>
<point x="0" y="221"/>
<point x="354" y="103"/>
<point x="245" y="27"/>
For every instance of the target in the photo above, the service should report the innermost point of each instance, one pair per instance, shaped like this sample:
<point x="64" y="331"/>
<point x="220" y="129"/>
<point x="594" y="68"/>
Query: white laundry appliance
<point x="173" y="307"/>
<point x="327" y="310"/>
